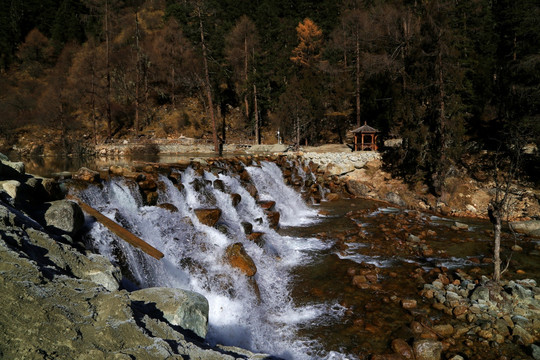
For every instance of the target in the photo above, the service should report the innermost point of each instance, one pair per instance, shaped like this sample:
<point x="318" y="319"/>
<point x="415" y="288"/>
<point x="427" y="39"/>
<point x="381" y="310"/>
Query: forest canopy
<point x="447" y="77"/>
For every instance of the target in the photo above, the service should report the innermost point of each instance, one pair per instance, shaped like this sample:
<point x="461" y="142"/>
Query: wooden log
<point x="118" y="230"/>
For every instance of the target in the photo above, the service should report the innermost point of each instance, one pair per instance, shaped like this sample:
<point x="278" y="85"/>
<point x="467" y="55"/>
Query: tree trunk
<point x="207" y="84"/>
<point x="497" y="249"/>
<point x="256" y="111"/>
<point x="137" y="76"/>
<point x="246" y="64"/>
<point x="357" y="54"/>
<point x="93" y="102"/>
<point x="108" y="67"/>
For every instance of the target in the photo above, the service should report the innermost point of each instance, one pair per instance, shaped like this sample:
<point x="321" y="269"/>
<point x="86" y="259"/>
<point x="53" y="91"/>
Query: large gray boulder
<point x="12" y="188"/>
<point x="184" y="308"/>
<point x="11" y="170"/>
<point x="531" y="227"/>
<point x="64" y="215"/>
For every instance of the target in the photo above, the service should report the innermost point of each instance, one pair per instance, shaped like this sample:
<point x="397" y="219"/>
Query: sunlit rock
<point x="186" y="309"/>
<point x="64" y="215"/>
<point x="427" y="349"/>
<point x="85" y="174"/>
<point x="12" y="188"/>
<point x="267" y="205"/>
<point x="237" y="257"/>
<point x="208" y="217"/>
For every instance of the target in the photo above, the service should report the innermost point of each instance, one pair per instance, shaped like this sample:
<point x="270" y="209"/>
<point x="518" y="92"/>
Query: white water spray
<point x="194" y="254"/>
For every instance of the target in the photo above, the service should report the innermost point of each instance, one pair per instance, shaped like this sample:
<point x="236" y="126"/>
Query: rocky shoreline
<point x="61" y="301"/>
<point x="45" y="270"/>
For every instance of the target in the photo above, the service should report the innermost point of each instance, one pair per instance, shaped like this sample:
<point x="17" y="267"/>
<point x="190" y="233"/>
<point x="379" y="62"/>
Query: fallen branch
<point x="118" y="230"/>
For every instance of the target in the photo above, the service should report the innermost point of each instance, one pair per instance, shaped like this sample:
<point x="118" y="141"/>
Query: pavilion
<point x="365" y="138"/>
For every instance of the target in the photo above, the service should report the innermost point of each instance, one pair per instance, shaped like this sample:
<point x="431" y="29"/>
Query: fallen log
<point x="118" y="230"/>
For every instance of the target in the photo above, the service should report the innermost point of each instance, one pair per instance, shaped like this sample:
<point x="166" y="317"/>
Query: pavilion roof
<point x="365" y="129"/>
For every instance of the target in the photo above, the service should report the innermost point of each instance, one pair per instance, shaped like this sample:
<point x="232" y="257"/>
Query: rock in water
<point x="186" y="309"/>
<point x="208" y="217"/>
<point x="239" y="258"/>
<point x="87" y="175"/>
<point x="64" y="215"/>
<point x="401" y="347"/>
<point x="427" y="349"/>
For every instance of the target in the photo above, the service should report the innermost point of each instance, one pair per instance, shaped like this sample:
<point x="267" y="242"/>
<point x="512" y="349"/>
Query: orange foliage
<point x="308" y="50"/>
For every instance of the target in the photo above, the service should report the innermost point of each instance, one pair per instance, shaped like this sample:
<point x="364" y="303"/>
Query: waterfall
<point x="266" y="320"/>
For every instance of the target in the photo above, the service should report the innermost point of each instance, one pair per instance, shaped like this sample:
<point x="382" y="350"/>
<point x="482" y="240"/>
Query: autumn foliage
<point x="310" y="38"/>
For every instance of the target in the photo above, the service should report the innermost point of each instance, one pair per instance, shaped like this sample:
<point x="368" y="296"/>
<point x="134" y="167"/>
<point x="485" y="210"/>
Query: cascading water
<point x="266" y="320"/>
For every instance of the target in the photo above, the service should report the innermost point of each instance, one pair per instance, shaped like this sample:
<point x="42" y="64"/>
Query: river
<point x="303" y="302"/>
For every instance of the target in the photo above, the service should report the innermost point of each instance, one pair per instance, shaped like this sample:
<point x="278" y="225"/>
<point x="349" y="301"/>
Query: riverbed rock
<point x="531" y="227"/>
<point x="427" y="349"/>
<point x="267" y="204"/>
<point x="180" y="307"/>
<point x="395" y="199"/>
<point x="237" y="257"/>
<point x="273" y="219"/>
<point x="236" y="199"/>
<point x="401" y="347"/>
<point x="85" y="174"/>
<point x="408" y="304"/>
<point x="208" y="217"/>
<point x="168" y="206"/>
<point x="523" y="336"/>
<point x="64" y="215"/>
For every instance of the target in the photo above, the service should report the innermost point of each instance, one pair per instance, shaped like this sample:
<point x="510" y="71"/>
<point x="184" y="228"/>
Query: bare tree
<point x="242" y="43"/>
<point x="506" y="167"/>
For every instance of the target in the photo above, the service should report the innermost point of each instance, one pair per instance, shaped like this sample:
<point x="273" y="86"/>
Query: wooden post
<point x="122" y="233"/>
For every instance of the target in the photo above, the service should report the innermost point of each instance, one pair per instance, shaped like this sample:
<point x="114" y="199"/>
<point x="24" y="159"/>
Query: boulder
<point x="395" y="199"/>
<point x="247" y="226"/>
<point x="168" y="206"/>
<point x="535" y="350"/>
<point x="531" y="227"/>
<point x="85" y="174"/>
<point x="523" y="336"/>
<point x="237" y="257"/>
<point x="332" y="197"/>
<point x="427" y="349"/>
<point x="461" y="226"/>
<point x="11" y="170"/>
<point x="183" y="308"/>
<point x="401" y="347"/>
<point x="64" y="215"/>
<point x="273" y="219"/>
<point x="12" y="188"/>
<point x="148" y="185"/>
<point x="267" y="205"/>
<point x="236" y="198"/>
<point x="257" y="238"/>
<point x="53" y="189"/>
<point x="219" y="185"/>
<point x="101" y="271"/>
<point x="208" y="217"/>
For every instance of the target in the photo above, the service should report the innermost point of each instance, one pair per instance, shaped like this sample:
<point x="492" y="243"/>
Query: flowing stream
<point x="194" y="254"/>
<point x="300" y="304"/>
